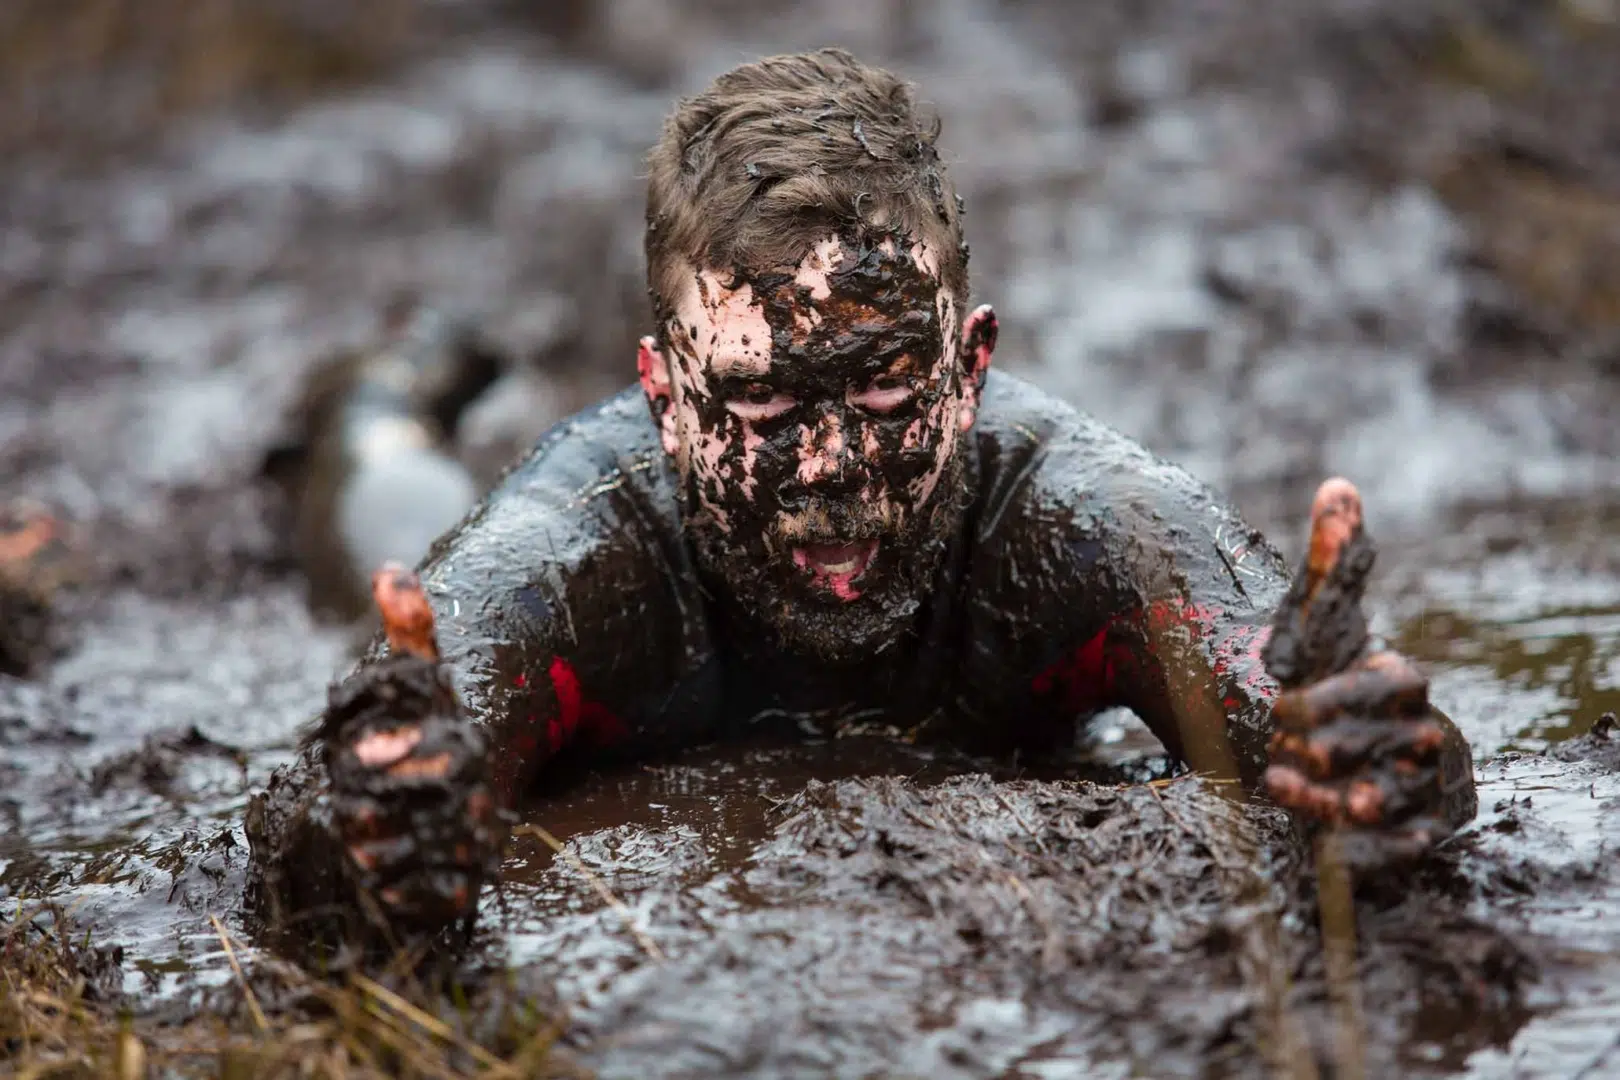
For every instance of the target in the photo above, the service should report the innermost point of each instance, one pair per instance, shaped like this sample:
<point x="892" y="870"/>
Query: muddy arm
<point x="1114" y="578"/>
<point x="561" y="626"/>
<point x="1301" y="700"/>
<point x="1194" y="591"/>
<point x="569" y="618"/>
<point x="1350" y="736"/>
<point x="1111" y="577"/>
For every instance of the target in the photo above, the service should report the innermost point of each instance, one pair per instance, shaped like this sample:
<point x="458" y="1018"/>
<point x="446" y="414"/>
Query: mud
<point x="1001" y="926"/>
<point x="1387" y="251"/>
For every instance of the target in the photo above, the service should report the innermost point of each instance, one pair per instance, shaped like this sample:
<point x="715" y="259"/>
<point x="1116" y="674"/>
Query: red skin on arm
<point x="544" y="737"/>
<point x="1097" y="674"/>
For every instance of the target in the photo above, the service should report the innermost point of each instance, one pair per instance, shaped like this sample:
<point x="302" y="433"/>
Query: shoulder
<point x="612" y="440"/>
<point x="1098" y="503"/>
<point x="586" y="517"/>
<point x="595" y="474"/>
<point x="1036" y="446"/>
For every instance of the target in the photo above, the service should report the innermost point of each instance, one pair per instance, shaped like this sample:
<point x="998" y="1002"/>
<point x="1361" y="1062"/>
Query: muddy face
<point x="816" y="415"/>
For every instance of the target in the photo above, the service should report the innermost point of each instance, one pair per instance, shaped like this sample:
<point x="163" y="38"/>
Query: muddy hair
<point x="776" y="154"/>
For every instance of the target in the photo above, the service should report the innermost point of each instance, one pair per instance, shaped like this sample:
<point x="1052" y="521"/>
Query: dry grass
<point x="60" y="1018"/>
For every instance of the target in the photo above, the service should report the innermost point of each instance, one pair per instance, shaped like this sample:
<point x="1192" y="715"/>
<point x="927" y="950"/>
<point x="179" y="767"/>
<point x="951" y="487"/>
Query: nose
<point x="825" y="457"/>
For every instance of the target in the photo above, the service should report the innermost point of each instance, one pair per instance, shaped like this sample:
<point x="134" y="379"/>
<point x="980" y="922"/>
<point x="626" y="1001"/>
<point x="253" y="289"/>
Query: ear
<point x="978" y="343"/>
<point x="655" y="383"/>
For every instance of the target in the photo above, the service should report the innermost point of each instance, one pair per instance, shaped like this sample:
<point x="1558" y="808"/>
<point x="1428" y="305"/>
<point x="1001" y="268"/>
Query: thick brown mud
<point x="1275" y="242"/>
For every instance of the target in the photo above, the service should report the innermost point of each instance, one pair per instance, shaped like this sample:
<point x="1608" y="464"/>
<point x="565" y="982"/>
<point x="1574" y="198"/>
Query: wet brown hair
<point x="776" y="154"/>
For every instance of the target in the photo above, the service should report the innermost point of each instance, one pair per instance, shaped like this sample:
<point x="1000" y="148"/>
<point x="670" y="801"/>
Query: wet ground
<point x="1274" y="241"/>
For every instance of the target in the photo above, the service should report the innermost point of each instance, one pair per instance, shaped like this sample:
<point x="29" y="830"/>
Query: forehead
<point x="726" y="317"/>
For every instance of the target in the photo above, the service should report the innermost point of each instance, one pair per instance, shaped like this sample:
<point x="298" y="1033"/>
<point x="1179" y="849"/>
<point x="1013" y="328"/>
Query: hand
<point x="1356" y="741"/>
<point x="37" y="557"/>
<point x="410" y="794"/>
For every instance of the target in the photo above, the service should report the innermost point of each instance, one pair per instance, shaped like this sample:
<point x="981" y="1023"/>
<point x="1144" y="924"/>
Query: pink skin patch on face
<point x="925" y="256"/>
<point x="718" y="332"/>
<point x="820" y="450"/>
<point x="816" y="267"/>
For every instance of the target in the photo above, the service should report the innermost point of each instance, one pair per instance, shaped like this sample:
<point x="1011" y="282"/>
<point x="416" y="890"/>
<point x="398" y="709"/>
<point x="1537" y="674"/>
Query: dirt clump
<point x="1600" y="745"/>
<point x="975" y="928"/>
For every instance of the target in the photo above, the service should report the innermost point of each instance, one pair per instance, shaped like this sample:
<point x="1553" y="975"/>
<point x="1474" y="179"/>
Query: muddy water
<point x="1269" y="271"/>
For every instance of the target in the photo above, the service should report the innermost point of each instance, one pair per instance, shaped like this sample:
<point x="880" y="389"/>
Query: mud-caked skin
<point x="1084" y="573"/>
<point x="1357" y="740"/>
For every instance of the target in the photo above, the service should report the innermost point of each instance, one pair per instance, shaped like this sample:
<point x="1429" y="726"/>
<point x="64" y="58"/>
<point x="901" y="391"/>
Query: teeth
<point x="842" y="567"/>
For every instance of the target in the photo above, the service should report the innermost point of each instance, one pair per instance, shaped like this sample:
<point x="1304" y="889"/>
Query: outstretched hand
<point x="411" y="798"/>
<point x="1357" y="742"/>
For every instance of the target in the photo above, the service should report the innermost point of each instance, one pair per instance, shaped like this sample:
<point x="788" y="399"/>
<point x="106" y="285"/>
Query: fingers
<point x="1376" y="798"/>
<point x="1319" y="628"/>
<point x="411" y="802"/>
<point x="1358" y="747"/>
<point x="386" y="758"/>
<point x="1335" y="518"/>
<point x="1350" y="744"/>
<point x="414" y="811"/>
<point x="406" y="615"/>
<point x="1356" y="741"/>
<point x="1384" y="684"/>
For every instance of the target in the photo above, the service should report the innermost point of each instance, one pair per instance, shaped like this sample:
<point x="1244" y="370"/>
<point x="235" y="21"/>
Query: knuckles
<point x="413" y="809"/>
<point x="1356" y="742"/>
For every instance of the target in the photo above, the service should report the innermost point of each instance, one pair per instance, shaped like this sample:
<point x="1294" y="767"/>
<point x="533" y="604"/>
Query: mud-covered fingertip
<point x="1336" y="497"/>
<point x="406" y="615"/>
<point x="1335" y="519"/>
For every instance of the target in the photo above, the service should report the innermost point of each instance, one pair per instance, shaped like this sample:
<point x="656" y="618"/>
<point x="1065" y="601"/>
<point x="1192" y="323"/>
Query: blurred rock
<point x="507" y="420"/>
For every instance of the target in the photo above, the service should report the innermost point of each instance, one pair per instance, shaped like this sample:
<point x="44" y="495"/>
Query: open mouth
<point x="836" y="566"/>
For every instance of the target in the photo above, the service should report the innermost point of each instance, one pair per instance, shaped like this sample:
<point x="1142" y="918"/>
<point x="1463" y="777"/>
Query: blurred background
<point x="1273" y="240"/>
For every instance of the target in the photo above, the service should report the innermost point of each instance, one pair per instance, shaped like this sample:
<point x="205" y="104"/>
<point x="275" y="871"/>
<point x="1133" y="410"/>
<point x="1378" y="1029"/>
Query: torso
<point x="572" y="614"/>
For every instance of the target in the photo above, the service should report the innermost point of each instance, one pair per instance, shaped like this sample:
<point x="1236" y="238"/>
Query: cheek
<point x="705" y="452"/>
<point x="749" y="467"/>
<point x="709" y="458"/>
<point x="936" y="436"/>
<point x="725" y="463"/>
<point x="871" y="446"/>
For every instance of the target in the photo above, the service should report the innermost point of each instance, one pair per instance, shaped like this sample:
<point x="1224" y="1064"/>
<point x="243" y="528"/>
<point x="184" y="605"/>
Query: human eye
<point x="883" y="394"/>
<point x="756" y="401"/>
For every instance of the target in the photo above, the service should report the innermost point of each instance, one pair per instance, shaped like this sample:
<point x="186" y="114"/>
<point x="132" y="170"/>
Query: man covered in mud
<point x="821" y="512"/>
